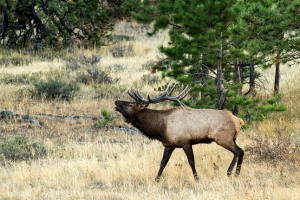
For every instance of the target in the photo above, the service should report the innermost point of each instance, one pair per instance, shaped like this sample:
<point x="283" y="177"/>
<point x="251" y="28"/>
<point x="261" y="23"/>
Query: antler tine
<point x="170" y="93"/>
<point x="184" y="92"/>
<point x="132" y="94"/>
<point x="180" y="96"/>
<point x="141" y="98"/>
<point x="169" y="84"/>
<point x="136" y="96"/>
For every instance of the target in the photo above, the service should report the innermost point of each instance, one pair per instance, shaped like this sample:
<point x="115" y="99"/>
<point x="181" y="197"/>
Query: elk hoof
<point x="157" y="179"/>
<point x="229" y="174"/>
<point x="196" y="177"/>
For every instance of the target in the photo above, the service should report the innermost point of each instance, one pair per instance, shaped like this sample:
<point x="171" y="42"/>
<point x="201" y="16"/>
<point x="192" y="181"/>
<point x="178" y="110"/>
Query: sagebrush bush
<point x="274" y="149"/>
<point x="76" y="62"/>
<point x="19" y="147"/>
<point x="55" y="88"/>
<point x="122" y="51"/>
<point x="109" y="91"/>
<point x="93" y="75"/>
<point x="150" y="79"/>
<point x="15" y="60"/>
<point x="19" y="79"/>
<point x="116" y="68"/>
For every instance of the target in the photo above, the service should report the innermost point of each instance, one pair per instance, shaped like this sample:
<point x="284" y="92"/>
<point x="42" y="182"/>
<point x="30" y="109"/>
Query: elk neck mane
<point x="150" y="122"/>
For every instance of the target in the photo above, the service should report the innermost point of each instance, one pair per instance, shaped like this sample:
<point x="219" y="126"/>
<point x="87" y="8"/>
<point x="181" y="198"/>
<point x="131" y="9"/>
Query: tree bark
<point x="205" y="71"/>
<point x="219" y="77"/>
<point x="4" y="25"/>
<point x="238" y="75"/>
<point x="238" y="80"/>
<point x="252" y="78"/>
<point x="277" y="74"/>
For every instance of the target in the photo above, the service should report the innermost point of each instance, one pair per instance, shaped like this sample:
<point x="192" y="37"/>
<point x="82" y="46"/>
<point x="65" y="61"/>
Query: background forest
<point x="64" y="63"/>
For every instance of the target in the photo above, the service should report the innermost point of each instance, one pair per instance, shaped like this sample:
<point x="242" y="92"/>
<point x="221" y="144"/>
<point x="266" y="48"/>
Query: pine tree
<point x="204" y="52"/>
<point x="269" y="30"/>
<point x="198" y="38"/>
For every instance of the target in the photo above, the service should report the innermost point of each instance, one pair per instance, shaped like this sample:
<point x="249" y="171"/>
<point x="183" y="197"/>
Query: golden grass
<point x="34" y="67"/>
<point x="88" y="163"/>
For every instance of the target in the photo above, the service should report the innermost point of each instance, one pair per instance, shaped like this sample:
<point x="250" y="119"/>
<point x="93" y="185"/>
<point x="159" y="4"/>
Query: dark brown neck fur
<point x="150" y="123"/>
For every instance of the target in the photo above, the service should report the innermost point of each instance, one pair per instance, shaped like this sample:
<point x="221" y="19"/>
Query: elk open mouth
<point x="117" y="109"/>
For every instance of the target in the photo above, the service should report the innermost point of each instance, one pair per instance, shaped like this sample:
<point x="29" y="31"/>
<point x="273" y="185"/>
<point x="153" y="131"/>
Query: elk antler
<point x="165" y="96"/>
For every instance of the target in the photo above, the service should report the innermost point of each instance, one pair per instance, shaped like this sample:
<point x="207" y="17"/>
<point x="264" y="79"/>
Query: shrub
<point x="55" y="88"/>
<point x="74" y="63"/>
<point x="109" y="91"/>
<point x="122" y="51"/>
<point x="19" y="79"/>
<point x="120" y="38"/>
<point x="15" y="60"/>
<point x="150" y="79"/>
<point x="19" y="147"/>
<point x="274" y="149"/>
<point x="116" y="68"/>
<point x="93" y="75"/>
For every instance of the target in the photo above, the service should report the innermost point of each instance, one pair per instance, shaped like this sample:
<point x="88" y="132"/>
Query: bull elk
<point x="183" y="127"/>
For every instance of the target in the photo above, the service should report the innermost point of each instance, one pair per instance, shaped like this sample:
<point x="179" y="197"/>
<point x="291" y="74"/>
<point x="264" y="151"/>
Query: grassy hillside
<point x="84" y="162"/>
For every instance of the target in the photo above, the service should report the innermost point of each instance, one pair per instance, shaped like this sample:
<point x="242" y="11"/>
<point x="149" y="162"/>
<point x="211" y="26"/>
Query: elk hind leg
<point x="238" y="153"/>
<point x="240" y="160"/>
<point x="238" y="157"/>
<point x="167" y="154"/>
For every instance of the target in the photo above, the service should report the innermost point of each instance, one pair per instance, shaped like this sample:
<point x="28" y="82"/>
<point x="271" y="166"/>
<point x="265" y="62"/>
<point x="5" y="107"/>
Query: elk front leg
<point x="190" y="155"/>
<point x="167" y="154"/>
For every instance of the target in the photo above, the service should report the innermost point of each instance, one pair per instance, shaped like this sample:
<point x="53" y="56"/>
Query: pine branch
<point x="200" y="73"/>
<point x="209" y="69"/>
<point x="175" y="25"/>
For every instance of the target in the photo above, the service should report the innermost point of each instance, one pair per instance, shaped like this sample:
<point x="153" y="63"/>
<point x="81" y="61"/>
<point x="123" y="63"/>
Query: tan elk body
<point x="183" y="127"/>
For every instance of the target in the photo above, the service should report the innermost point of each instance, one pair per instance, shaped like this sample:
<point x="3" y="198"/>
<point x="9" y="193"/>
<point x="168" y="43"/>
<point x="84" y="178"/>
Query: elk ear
<point x="141" y="106"/>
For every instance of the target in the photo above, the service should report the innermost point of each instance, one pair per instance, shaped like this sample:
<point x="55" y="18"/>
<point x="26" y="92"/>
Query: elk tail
<point x="238" y="127"/>
<point x="241" y="122"/>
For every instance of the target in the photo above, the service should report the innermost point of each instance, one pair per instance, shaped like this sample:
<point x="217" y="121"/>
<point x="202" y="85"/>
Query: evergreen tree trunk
<point x="204" y="72"/>
<point x="219" y="77"/>
<point x="277" y="74"/>
<point x="252" y="78"/>
<point x="238" y="75"/>
<point x="238" y="80"/>
<point x="219" y="83"/>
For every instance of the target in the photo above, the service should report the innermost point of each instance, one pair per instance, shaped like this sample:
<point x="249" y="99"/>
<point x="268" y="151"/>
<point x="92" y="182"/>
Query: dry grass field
<point x="83" y="162"/>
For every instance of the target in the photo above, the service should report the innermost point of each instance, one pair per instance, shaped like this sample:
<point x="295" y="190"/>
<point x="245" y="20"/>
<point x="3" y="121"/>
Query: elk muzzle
<point x="119" y="105"/>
